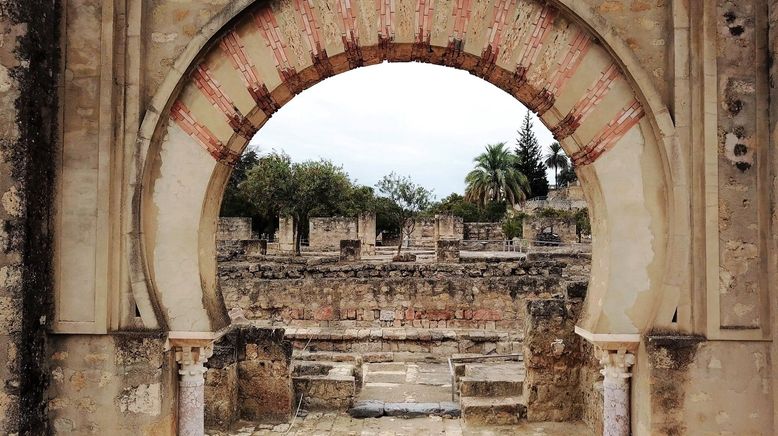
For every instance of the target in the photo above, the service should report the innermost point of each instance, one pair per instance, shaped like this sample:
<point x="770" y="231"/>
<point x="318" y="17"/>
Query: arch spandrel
<point x="593" y="107"/>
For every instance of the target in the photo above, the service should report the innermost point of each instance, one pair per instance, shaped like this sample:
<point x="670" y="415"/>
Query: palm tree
<point x="556" y="158"/>
<point x="495" y="177"/>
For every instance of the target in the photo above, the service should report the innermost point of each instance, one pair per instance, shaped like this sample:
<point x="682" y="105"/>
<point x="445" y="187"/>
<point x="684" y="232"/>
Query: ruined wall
<point x="552" y="356"/>
<point x="29" y="72"/>
<point x="325" y="234"/>
<point x="483" y="231"/>
<point x="121" y="384"/>
<point x="234" y="228"/>
<point x="564" y="227"/>
<point x="249" y="377"/>
<point x="474" y="295"/>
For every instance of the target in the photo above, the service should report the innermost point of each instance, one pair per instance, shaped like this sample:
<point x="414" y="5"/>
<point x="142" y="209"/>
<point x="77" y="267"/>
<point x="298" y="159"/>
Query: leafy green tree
<point x="456" y="205"/>
<point x="567" y="176"/>
<point x="582" y="224"/>
<point x="513" y="227"/>
<point x="234" y="202"/>
<point x="409" y="198"/>
<point x="529" y="159"/>
<point x="276" y="185"/>
<point x="557" y="159"/>
<point x="496" y="178"/>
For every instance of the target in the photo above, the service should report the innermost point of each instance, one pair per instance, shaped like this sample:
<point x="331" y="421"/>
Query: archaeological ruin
<point x="126" y="309"/>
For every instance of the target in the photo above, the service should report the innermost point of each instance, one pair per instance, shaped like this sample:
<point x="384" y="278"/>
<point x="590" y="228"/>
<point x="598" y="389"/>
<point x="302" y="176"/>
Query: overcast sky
<point x="420" y="120"/>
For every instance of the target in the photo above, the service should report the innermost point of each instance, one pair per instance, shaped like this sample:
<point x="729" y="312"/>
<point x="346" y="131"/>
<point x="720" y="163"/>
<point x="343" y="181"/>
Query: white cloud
<point x="422" y="120"/>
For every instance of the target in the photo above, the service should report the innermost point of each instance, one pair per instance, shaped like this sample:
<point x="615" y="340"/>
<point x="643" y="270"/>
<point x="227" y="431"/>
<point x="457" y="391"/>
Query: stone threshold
<point x="376" y="409"/>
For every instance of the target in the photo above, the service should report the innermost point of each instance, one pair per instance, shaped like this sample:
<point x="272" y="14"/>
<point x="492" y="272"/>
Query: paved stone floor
<point x="409" y="382"/>
<point x="318" y="424"/>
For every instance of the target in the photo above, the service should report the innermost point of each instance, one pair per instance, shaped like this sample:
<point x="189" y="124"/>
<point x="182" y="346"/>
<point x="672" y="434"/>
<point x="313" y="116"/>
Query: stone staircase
<point x="408" y="382"/>
<point x="491" y="393"/>
<point x="325" y="385"/>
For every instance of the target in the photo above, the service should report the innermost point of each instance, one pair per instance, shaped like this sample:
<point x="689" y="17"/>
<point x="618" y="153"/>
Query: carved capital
<point x="616" y="364"/>
<point x="192" y="350"/>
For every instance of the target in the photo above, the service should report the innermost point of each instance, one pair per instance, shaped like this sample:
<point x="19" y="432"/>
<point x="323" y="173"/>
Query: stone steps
<point x="440" y="342"/>
<point x="325" y="385"/>
<point x="477" y="387"/>
<point x="493" y="411"/>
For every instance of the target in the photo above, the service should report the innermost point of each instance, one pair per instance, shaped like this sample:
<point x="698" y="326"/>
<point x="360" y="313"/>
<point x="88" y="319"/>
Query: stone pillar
<point x="256" y="247"/>
<point x="350" y="249"/>
<point x="286" y="234"/>
<point x="616" y="408"/>
<point x="366" y="224"/>
<point x="192" y="350"/>
<point x="447" y="250"/>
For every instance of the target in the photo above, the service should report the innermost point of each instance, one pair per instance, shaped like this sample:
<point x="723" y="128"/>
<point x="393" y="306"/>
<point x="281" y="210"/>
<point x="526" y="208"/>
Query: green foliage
<point x="529" y="159"/>
<point x="550" y="212"/>
<point x="567" y="176"/>
<point x="456" y="205"/>
<point x="583" y="226"/>
<point x="409" y="198"/>
<point x="513" y="227"/>
<point x="236" y="203"/>
<point x="496" y="178"/>
<point x="557" y="160"/>
<point x="277" y="187"/>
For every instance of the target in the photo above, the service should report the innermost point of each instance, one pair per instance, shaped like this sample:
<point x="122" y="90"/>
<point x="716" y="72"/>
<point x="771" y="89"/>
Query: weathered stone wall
<point x="564" y="227"/>
<point x="114" y="384"/>
<point x="234" y="228"/>
<point x="552" y="356"/>
<point x="483" y="231"/>
<point x="249" y="377"/>
<point x="709" y="387"/>
<point x="590" y="387"/>
<point x="29" y="75"/>
<point x="472" y="295"/>
<point x="325" y="234"/>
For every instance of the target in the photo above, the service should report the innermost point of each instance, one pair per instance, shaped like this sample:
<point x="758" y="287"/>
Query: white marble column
<point x="191" y="355"/>
<point x="616" y="407"/>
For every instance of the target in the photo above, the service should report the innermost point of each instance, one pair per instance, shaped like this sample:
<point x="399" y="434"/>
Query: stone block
<point x="447" y="250"/>
<point x="492" y="411"/>
<point x="256" y="247"/>
<point x="350" y="250"/>
<point x="367" y="409"/>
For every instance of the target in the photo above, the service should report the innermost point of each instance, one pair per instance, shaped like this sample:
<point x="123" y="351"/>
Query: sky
<point x="424" y="121"/>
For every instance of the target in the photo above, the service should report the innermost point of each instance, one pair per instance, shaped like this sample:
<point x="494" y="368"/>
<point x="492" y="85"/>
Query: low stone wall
<point x="483" y="231"/>
<point x="112" y="384"/>
<point x="481" y="295"/>
<point x="564" y="227"/>
<point x="234" y="228"/>
<point x="249" y="377"/>
<point x="325" y="234"/>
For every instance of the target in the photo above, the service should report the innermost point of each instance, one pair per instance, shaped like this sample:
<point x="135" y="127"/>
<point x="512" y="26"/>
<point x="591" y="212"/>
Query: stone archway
<point x="553" y="57"/>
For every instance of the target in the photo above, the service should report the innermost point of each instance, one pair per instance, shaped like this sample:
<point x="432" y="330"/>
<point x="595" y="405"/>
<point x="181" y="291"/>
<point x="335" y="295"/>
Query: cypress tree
<point x="530" y="159"/>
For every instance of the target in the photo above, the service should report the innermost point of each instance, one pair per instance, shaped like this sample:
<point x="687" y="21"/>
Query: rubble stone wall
<point x="483" y="231"/>
<point x="29" y="76"/>
<point x="473" y="295"/>
<point x="234" y="228"/>
<point x="249" y="377"/>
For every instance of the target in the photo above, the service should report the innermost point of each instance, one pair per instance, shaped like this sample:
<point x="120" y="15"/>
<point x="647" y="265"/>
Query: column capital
<point x="192" y="349"/>
<point x="615" y="363"/>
